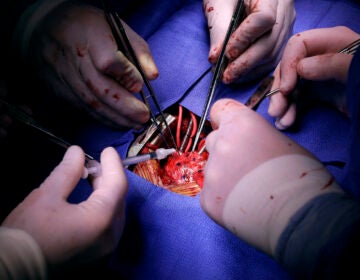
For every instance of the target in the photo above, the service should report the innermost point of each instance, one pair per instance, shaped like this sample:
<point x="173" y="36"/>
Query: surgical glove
<point x="73" y="233"/>
<point x="311" y="55"/>
<point x="74" y="51"/>
<point x="256" y="178"/>
<point x="256" y="45"/>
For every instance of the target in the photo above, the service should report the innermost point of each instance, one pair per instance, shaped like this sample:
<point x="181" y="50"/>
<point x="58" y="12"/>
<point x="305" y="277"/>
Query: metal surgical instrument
<point x="159" y="154"/>
<point x="264" y="91"/>
<point x="126" y="48"/>
<point x="238" y="15"/>
<point x="92" y="166"/>
<point x="25" y="118"/>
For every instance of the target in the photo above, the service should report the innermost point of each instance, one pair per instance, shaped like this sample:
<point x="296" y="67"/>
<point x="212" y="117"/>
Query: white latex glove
<point x="74" y="51"/>
<point x="256" y="45"/>
<point x="256" y="178"/>
<point x="311" y="55"/>
<point x="66" y="232"/>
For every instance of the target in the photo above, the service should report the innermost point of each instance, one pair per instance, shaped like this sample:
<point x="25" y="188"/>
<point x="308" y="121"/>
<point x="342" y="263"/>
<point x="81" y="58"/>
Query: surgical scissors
<point x="125" y="46"/>
<point x="238" y="15"/>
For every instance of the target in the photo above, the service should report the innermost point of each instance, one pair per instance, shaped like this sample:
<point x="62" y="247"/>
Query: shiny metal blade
<point x="125" y="46"/>
<point x="20" y="115"/>
<point x="238" y="15"/>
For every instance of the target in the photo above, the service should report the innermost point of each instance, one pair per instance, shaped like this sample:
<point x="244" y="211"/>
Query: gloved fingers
<point x="262" y="55"/>
<point x="224" y="111"/>
<point x="65" y="176"/>
<point x="63" y="89"/>
<point x="59" y="73"/>
<point x="279" y="103"/>
<point x="218" y="14"/>
<point x="111" y="186"/>
<point x="109" y="61"/>
<point x="256" y="55"/>
<point x="328" y="40"/>
<point x="71" y="88"/>
<point x="114" y="98"/>
<point x="282" y="108"/>
<point x="260" y="19"/>
<point x="311" y="43"/>
<point x="242" y="141"/>
<point x="143" y="53"/>
<point x="82" y="85"/>
<point x="120" y="69"/>
<point x="228" y="114"/>
<point x="104" y="209"/>
<point x="325" y="67"/>
<point x="107" y="201"/>
<point x="287" y="119"/>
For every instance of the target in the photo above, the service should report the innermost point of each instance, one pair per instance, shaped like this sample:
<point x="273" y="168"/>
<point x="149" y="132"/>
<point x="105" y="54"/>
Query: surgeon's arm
<point x="275" y="195"/>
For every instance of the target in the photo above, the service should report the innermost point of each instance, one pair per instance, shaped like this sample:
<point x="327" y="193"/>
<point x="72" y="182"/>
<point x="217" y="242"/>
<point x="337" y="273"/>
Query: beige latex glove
<point x="66" y="232"/>
<point x="256" y="45"/>
<point x="311" y="55"/>
<point x="256" y="178"/>
<point x="73" y="50"/>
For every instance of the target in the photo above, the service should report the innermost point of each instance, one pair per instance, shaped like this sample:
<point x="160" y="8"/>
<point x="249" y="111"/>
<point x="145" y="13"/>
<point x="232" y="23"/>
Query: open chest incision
<point x="181" y="172"/>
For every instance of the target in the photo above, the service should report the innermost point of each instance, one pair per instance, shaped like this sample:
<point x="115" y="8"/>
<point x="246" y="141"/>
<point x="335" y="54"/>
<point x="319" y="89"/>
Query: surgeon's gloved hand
<point x="74" y="51"/>
<point x="71" y="233"/>
<point x="256" y="178"/>
<point x="311" y="55"/>
<point x="256" y="45"/>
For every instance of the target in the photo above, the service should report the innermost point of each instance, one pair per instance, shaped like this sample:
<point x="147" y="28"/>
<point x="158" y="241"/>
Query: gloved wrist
<point x="259" y="214"/>
<point x="28" y="22"/>
<point x="21" y="256"/>
<point x="321" y="239"/>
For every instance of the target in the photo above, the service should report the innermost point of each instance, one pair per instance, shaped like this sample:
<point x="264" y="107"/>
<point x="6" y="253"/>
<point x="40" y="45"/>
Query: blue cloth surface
<point x="167" y="235"/>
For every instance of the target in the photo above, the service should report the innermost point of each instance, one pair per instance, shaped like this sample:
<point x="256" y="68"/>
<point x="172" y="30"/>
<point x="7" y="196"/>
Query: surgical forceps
<point x="264" y="91"/>
<point x="126" y="48"/>
<point x="237" y="17"/>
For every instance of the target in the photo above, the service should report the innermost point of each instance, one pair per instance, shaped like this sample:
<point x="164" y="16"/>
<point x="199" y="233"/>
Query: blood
<point x="80" y="51"/>
<point x="116" y="97"/>
<point x="328" y="184"/>
<point x="91" y="86"/>
<point x="183" y="171"/>
<point x="184" y="168"/>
